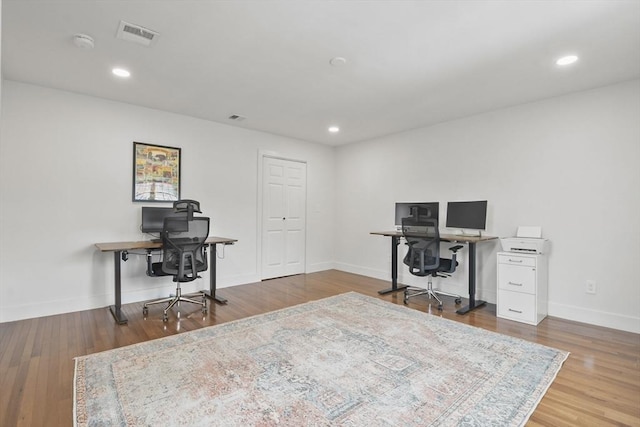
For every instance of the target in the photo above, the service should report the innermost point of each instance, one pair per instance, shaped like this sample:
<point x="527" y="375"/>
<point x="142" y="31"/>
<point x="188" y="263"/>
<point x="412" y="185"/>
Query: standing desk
<point x="121" y="249"/>
<point x="470" y="240"/>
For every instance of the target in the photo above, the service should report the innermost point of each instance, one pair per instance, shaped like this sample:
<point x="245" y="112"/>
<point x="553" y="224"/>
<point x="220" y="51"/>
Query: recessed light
<point x="567" y="60"/>
<point x="334" y="129"/>
<point x="121" y="72"/>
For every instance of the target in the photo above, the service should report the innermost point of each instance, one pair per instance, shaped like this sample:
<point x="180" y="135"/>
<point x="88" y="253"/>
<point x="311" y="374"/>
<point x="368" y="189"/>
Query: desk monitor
<point x="467" y="215"/>
<point x="153" y="218"/>
<point x="405" y="209"/>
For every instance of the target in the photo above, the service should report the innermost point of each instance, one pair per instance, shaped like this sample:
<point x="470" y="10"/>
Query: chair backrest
<point x="183" y="246"/>
<point x="423" y="238"/>
<point x="187" y="206"/>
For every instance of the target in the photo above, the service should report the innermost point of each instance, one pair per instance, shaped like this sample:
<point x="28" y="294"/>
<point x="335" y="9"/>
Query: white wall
<point x="1" y="58"/>
<point x="65" y="184"/>
<point x="569" y="164"/>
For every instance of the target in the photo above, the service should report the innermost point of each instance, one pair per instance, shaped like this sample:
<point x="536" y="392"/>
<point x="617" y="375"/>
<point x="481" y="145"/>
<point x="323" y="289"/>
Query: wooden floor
<point x="599" y="384"/>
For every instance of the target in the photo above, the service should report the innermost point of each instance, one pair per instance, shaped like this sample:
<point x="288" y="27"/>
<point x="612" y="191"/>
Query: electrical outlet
<point x="591" y="287"/>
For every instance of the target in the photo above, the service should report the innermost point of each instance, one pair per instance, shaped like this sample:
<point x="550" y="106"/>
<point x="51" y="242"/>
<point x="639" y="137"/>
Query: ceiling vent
<point x="136" y="33"/>
<point x="237" y="117"/>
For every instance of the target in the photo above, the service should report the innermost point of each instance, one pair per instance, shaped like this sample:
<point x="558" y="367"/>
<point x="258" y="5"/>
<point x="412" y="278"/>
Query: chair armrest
<point x="456" y="248"/>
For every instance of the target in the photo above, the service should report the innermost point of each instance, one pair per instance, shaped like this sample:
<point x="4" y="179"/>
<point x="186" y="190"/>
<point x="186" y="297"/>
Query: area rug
<point x="348" y="360"/>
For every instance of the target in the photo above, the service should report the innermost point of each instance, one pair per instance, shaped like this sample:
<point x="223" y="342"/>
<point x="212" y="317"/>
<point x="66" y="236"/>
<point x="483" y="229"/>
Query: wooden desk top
<point x="447" y="237"/>
<point x="148" y="244"/>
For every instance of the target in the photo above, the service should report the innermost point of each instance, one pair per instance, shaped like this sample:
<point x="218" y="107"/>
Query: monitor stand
<point x="463" y="234"/>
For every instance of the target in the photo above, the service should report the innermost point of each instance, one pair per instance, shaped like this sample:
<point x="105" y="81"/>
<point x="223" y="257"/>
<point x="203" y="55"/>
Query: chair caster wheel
<point x="458" y="301"/>
<point x="145" y="311"/>
<point x="439" y="307"/>
<point x="406" y="299"/>
<point x="165" y="318"/>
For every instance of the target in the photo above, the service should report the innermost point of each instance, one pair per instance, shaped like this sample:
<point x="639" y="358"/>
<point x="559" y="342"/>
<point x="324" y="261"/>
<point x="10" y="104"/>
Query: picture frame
<point x="156" y="173"/>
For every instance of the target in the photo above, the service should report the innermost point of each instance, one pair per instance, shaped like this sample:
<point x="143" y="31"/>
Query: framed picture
<point x="156" y="173"/>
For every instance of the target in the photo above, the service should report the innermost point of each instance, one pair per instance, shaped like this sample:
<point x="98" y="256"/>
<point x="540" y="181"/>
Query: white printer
<point x="528" y="240"/>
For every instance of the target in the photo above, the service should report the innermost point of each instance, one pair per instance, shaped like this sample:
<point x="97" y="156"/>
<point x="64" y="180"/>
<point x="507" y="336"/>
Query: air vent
<point x="136" y="33"/>
<point x="236" y="117"/>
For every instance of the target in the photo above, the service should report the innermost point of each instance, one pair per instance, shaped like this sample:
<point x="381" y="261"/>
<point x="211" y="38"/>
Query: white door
<point x="284" y="187"/>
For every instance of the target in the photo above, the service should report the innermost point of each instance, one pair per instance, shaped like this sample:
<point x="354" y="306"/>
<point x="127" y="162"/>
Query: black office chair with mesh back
<point x="183" y="257"/>
<point x="423" y="257"/>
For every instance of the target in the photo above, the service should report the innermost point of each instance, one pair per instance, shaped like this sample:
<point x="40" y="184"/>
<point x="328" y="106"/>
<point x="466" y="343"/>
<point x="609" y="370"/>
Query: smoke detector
<point x="338" y="61"/>
<point x="83" y="41"/>
<point x="237" y="117"/>
<point x="136" y="33"/>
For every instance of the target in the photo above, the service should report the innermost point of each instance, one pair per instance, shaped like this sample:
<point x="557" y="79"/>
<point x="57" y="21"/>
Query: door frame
<point x="262" y="154"/>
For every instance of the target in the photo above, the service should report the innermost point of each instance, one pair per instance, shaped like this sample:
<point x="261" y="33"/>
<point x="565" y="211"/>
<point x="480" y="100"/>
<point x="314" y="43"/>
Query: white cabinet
<point x="522" y="287"/>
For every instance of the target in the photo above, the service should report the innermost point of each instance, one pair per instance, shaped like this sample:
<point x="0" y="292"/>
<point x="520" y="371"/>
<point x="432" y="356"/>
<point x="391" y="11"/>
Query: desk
<point x="470" y="240"/>
<point x="121" y="249"/>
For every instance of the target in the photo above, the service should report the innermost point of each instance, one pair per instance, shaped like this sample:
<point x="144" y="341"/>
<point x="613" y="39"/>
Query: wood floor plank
<point x="599" y="384"/>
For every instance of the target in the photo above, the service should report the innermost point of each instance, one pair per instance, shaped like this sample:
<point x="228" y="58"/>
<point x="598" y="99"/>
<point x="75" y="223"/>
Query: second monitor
<point x="471" y="215"/>
<point x="153" y="218"/>
<point x="406" y="209"/>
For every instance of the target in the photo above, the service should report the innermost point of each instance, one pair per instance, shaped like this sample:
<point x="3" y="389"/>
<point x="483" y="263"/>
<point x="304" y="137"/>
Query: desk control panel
<point x="522" y="287"/>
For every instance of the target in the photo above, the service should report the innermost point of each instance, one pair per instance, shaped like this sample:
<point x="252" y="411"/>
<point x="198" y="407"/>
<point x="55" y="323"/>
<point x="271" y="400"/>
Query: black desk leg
<point x="473" y="303"/>
<point x="211" y="293"/>
<point x="394" y="269"/>
<point x="116" y="309"/>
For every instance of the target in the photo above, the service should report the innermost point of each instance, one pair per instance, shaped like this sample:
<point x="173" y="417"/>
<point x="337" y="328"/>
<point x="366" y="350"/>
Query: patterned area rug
<point x="348" y="360"/>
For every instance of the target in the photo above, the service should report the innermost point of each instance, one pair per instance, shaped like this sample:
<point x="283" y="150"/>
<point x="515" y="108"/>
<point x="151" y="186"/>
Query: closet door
<point x="283" y="217"/>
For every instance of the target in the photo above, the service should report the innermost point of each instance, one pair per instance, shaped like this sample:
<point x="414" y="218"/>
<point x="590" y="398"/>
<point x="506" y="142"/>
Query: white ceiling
<point x="409" y="63"/>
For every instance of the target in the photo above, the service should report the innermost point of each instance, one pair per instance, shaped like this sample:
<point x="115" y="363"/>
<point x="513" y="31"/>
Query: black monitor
<point x="153" y="218"/>
<point x="407" y="209"/>
<point x="467" y="215"/>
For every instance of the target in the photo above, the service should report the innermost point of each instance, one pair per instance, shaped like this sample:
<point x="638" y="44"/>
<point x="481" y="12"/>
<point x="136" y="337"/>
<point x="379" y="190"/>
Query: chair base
<point x="176" y="300"/>
<point x="411" y="292"/>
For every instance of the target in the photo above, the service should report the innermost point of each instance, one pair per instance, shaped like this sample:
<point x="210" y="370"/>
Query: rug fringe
<point x="539" y="399"/>
<point x="75" y="379"/>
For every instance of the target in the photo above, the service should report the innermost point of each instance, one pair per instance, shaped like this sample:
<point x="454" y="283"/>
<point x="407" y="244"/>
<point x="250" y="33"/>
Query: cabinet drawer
<point x="517" y="260"/>
<point x="517" y="306"/>
<point x="517" y="278"/>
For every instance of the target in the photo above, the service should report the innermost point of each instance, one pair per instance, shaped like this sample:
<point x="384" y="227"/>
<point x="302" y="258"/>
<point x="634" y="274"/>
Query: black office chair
<point x="183" y="256"/>
<point x="423" y="257"/>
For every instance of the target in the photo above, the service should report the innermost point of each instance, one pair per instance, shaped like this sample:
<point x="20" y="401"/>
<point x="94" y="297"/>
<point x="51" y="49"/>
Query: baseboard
<point x="568" y="312"/>
<point x="51" y="308"/>
<point x="363" y="271"/>
<point x="453" y="285"/>
<point x="321" y="266"/>
<point x="595" y="317"/>
<point x="239" y="279"/>
<point x="578" y="314"/>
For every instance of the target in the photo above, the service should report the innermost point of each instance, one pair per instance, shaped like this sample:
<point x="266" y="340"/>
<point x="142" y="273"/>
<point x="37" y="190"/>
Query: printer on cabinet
<point x="528" y="240"/>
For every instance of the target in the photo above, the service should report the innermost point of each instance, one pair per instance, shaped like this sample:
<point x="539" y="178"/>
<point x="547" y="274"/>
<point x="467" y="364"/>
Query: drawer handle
<point x="515" y="284"/>
<point x="515" y="260"/>
<point x="515" y="311"/>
